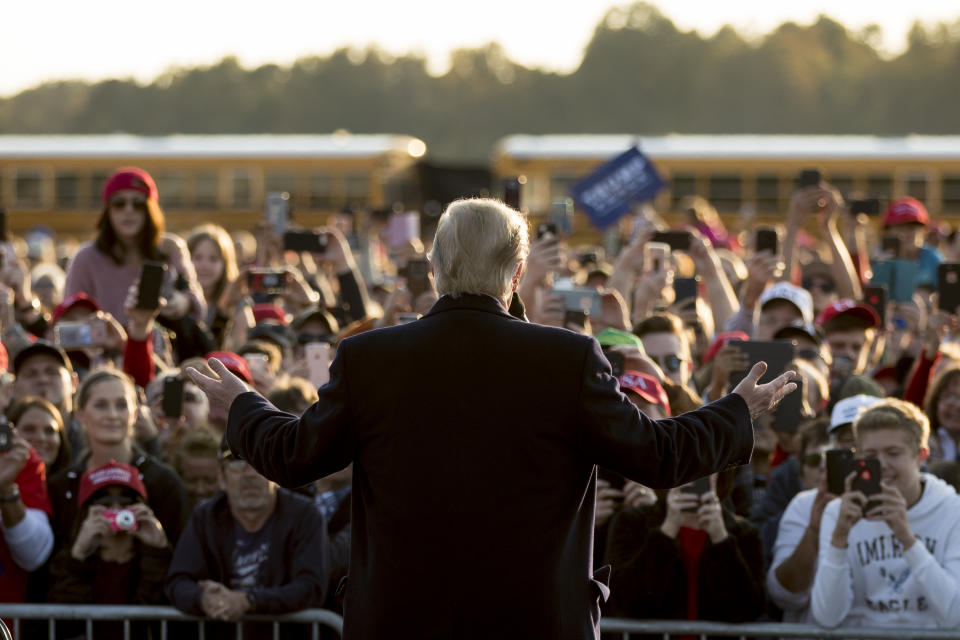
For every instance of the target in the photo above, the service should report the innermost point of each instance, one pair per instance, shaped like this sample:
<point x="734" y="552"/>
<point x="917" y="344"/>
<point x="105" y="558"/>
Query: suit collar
<point x="470" y="302"/>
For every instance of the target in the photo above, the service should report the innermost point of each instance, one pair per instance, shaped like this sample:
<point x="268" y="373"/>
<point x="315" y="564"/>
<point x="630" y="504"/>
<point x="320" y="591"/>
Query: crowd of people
<point x="117" y="487"/>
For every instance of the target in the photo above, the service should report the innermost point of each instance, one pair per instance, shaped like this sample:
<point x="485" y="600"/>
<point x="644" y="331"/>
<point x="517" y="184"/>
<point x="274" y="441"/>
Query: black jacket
<point x="648" y="579"/>
<point x="475" y="438"/>
<point x="293" y="577"/>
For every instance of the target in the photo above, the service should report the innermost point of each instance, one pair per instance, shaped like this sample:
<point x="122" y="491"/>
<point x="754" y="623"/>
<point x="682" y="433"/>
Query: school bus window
<point x="28" y="189"/>
<point x="170" y="186"/>
<point x="725" y="192"/>
<point x="275" y="181"/>
<point x="879" y="186"/>
<point x="842" y="183"/>
<point x="321" y="191"/>
<point x="67" y="186"/>
<point x="205" y="190"/>
<point x="560" y="186"/>
<point x="97" y="180"/>
<point x="951" y="193"/>
<point x="768" y="193"/>
<point x="917" y="187"/>
<point x="357" y="188"/>
<point x="240" y="189"/>
<point x="681" y="186"/>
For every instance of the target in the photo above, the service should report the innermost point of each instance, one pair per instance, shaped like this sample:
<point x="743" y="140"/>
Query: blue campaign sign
<point x="607" y="193"/>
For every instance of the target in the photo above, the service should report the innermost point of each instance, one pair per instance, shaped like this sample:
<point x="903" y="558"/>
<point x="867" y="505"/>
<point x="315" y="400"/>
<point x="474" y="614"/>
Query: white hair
<point x="478" y="247"/>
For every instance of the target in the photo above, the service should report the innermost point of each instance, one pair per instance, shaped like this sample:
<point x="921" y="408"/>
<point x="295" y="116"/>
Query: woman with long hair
<point x="130" y="231"/>
<point x="215" y="262"/>
<point x="41" y="424"/>
<point x="942" y="406"/>
<point x="106" y="408"/>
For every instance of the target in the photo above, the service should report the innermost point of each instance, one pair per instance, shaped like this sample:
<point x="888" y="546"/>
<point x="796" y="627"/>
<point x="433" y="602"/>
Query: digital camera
<point x="121" y="520"/>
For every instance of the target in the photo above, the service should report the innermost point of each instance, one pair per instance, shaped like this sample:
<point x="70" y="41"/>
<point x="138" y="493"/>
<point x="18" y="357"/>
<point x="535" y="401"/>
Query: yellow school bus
<point x="56" y="180"/>
<point x="746" y="177"/>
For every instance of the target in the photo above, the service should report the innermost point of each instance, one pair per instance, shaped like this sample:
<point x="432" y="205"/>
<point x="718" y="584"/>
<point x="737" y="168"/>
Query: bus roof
<point x="681" y="146"/>
<point x="344" y="145"/>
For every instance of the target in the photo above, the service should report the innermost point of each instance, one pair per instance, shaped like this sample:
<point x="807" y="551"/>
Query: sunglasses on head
<point x="137" y="203"/>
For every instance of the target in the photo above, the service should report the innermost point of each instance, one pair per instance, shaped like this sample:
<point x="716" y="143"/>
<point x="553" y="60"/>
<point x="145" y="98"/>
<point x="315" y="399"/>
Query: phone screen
<point x="172" y="404"/>
<point x="948" y="286"/>
<point x="676" y="240"/>
<point x="151" y="280"/>
<point x="838" y="468"/>
<point x="767" y="240"/>
<point x="511" y="193"/>
<point x="809" y="178"/>
<point x="308" y="241"/>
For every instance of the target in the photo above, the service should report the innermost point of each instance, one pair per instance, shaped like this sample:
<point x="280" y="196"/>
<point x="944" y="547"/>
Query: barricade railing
<point x="669" y="628"/>
<point x="90" y="613"/>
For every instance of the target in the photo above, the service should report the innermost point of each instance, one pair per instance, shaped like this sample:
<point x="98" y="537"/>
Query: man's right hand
<point x="760" y="398"/>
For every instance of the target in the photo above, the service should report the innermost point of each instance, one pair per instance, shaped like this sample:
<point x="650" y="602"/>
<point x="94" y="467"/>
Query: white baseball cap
<point x="798" y="297"/>
<point x="847" y="410"/>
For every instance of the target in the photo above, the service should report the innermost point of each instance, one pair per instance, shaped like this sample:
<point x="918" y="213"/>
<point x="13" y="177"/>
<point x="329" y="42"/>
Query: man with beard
<point x="251" y="549"/>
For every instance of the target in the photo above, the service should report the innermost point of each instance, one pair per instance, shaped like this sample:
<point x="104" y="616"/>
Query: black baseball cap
<point x="37" y="348"/>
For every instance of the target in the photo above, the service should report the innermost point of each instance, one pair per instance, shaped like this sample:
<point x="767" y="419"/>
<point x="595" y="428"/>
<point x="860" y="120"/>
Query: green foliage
<point x="639" y="73"/>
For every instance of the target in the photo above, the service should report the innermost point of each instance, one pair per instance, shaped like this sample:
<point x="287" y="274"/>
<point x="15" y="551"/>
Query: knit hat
<point x="130" y="178"/>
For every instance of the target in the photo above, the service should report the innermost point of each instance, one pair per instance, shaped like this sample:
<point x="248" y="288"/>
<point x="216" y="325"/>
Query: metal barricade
<point x="129" y="613"/>
<point x="702" y="630"/>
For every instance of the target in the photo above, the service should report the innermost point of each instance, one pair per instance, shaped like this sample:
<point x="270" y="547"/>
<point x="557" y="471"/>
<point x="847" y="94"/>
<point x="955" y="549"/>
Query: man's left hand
<point x="221" y="392"/>
<point x="892" y="509"/>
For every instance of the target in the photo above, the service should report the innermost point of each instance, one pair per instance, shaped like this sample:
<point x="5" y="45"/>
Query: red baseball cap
<point x="720" y="341"/>
<point x="905" y="210"/>
<point x="268" y="311"/>
<point x="76" y="300"/>
<point x="112" y="474"/>
<point x="647" y="387"/>
<point x="130" y="178"/>
<point x="235" y="364"/>
<point x="848" y="307"/>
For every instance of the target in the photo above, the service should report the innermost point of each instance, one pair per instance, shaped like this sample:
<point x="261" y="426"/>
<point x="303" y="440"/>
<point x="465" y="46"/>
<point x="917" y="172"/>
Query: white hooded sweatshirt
<point x="873" y="583"/>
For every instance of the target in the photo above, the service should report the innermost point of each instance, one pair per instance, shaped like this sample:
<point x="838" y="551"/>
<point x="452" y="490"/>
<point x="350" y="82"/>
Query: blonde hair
<point x="478" y="246"/>
<point x="224" y="244"/>
<point x="892" y="413"/>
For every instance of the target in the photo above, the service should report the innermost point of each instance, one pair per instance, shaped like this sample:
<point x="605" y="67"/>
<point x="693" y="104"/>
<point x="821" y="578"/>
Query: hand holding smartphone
<point x="151" y="281"/>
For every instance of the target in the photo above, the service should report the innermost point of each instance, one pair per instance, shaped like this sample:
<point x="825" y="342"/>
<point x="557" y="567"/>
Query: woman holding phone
<point x="130" y="232"/>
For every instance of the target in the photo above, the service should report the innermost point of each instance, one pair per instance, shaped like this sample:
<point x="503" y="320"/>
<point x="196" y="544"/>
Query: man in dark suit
<point x="475" y="439"/>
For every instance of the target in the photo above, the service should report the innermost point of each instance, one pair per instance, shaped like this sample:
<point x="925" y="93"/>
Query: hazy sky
<point x="60" y="39"/>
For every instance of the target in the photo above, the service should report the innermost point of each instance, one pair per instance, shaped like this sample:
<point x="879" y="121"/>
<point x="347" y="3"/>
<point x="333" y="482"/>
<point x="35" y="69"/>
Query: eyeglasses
<point x="124" y="500"/>
<point x="812" y="459"/>
<point x="671" y="363"/>
<point x="138" y="204"/>
<point x="824" y="285"/>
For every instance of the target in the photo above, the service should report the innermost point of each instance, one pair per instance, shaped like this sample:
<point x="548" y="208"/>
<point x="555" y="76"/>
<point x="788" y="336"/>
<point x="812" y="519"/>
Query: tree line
<point x="639" y="74"/>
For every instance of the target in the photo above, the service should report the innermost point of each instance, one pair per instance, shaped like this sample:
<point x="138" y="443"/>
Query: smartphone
<point x="838" y="468"/>
<point x="809" y="178"/>
<point x="417" y="273"/>
<point x="277" y="212"/>
<point x="891" y="246"/>
<point x="268" y="281"/>
<point x="151" y="281"/>
<point x="580" y="300"/>
<point x="767" y="240"/>
<point x="618" y="361"/>
<point x="561" y="215"/>
<point x="948" y="286"/>
<point x="676" y="240"/>
<point x="698" y="488"/>
<point x="172" y="403"/>
<point x="546" y="227"/>
<point x="318" y="362"/>
<point x="6" y="435"/>
<point x="789" y="413"/>
<point x="869" y="206"/>
<point x="575" y="318"/>
<point x="75" y="335"/>
<point x="305" y="241"/>
<point x="867" y="480"/>
<point x="686" y="289"/>
<point x="511" y="192"/>
<point x="655" y="256"/>
<point x="898" y="276"/>
<point x="875" y="296"/>
<point x="776" y="353"/>
<point x="403" y="228"/>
